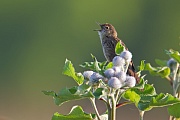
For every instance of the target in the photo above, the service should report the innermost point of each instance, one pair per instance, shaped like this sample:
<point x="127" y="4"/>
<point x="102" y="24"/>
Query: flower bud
<point x="116" y="69"/>
<point x="130" y="81"/>
<point x="172" y="64"/>
<point x="109" y="73"/>
<point x="95" y="77"/>
<point x="178" y="75"/>
<point x="114" y="83"/>
<point x="118" y="61"/>
<point x="121" y="76"/>
<point x="87" y="74"/>
<point x="126" y="55"/>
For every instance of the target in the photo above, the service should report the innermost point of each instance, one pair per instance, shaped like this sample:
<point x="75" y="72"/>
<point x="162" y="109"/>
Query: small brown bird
<point x="109" y="39"/>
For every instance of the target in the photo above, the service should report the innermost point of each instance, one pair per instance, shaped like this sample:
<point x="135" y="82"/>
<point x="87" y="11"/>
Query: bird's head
<point x="107" y="30"/>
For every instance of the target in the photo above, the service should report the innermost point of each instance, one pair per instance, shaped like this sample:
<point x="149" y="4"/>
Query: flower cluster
<point x="116" y="76"/>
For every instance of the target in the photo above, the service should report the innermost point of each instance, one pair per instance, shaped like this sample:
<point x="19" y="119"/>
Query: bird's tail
<point x="132" y="72"/>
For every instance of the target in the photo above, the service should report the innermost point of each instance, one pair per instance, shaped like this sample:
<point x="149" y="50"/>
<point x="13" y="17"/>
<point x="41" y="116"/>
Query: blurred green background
<point x="37" y="36"/>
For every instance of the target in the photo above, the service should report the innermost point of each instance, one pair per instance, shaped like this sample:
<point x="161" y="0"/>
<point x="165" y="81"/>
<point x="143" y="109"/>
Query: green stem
<point x="109" y="107"/>
<point x="175" y="81"/>
<point x="113" y="112"/>
<point x="141" y="114"/>
<point x="176" y="84"/>
<point x="95" y="108"/>
<point x="107" y="103"/>
<point x="117" y="95"/>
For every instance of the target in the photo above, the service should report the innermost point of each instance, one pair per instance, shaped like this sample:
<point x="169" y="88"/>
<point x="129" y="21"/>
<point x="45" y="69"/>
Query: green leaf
<point x="148" y="90"/>
<point x="140" y="85"/>
<point x="148" y="102"/>
<point x="88" y="65"/>
<point x="70" y="71"/>
<point x="144" y="103"/>
<point x="74" y="93"/>
<point x="102" y="65"/>
<point x="145" y="99"/>
<point x="66" y="95"/>
<point x="131" y="96"/>
<point x="76" y="113"/>
<point x="146" y="93"/>
<point x="142" y="65"/>
<point x="95" y="66"/>
<point x="141" y="95"/>
<point x="96" y="63"/>
<point x="174" y="54"/>
<point x="119" y="48"/>
<point x="157" y="71"/>
<point x="49" y="93"/>
<point x="100" y="92"/>
<point x="174" y="110"/>
<point x="109" y="65"/>
<point x="84" y="91"/>
<point x="163" y="100"/>
<point x="161" y="62"/>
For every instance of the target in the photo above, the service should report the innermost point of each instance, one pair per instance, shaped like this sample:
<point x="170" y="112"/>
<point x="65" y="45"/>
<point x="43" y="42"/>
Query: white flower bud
<point x="109" y="73"/>
<point x="114" y="83"/>
<point x="95" y="77"/>
<point x="118" y="61"/>
<point x="172" y="64"/>
<point x="121" y="76"/>
<point x="130" y="81"/>
<point x="126" y="55"/>
<point x="87" y="74"/>
<point x="116" y="69"/>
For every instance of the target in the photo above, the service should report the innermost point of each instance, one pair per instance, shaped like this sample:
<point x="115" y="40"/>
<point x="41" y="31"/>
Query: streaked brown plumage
<point x="109" y="39"/>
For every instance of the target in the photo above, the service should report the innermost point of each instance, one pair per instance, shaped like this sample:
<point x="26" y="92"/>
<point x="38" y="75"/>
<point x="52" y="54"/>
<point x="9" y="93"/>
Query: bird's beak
<point x="99" y="25"/>
<point x="96" y="30"/>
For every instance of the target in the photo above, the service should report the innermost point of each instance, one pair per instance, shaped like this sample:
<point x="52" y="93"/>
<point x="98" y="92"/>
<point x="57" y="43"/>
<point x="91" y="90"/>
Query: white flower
<point x="130" y="81"/>
<point x="109" y="73"/>
<point x="87" y="74"/>
<point x="114" y="83"/>
<point x="126" y="55"/>
<point x="118" y="61"/>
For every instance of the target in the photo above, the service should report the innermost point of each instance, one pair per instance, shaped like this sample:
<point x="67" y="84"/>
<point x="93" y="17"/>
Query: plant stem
<point x="141" y="114"/>
<point x="126" y="67"/>
<point x="95" y="108"/>
<point x="175" y="81"/>
<point x="109" y="108"/>
<point x="113" y="112"/>
<point x="117" y="95"/>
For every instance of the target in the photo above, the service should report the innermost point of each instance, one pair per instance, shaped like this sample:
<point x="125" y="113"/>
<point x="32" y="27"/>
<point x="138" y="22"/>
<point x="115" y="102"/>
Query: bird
<point x="109" y="38"/>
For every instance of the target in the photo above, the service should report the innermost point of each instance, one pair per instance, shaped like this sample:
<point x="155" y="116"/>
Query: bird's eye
<point x="107" y="27"/>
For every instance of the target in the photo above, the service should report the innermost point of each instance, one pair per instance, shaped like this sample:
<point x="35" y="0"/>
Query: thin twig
<point x="95" y="108"/>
